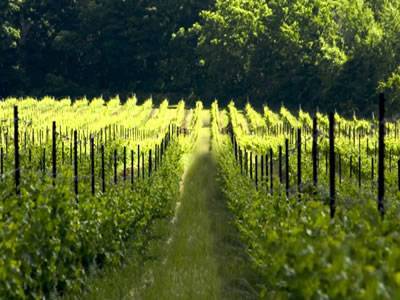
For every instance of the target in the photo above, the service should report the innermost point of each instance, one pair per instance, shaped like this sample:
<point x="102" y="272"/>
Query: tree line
<point x="317" y="53"/>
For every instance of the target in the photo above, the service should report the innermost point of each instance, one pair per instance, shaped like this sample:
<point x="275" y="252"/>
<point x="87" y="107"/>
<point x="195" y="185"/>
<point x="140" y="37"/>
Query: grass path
<point x="198" y="254"/>
<point x="201" y="257"/>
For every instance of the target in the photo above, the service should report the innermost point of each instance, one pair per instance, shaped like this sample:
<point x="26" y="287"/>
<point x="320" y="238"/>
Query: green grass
<point x="195" y="256"/>
<point x="202" y="259"/>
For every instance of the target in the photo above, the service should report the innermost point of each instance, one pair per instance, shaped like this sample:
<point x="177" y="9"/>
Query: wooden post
<point x="280" y="164"/>
<point x="315" y="152"/>
<point x="76" y="163"/>
<point x="16" y="152"/>
<point x="156" y="153"/>
<point x="299" y="161"/>
<point x="332" y="187"/>
<point x="142" y="165"/>
<point x="124" y="162"/>
<point x="92" y="178"/>
<point x="236" y="149"/>
<point x="271" y="170"/>
<point x="150" y="163"/>
<point x="262" y="168"/>
<point x="359" y="171"/>
<point x="256" y="170"/>
<point x="138" y="161"/>
<point x="54" y="153"/>
<point x="241" y="160"/>
<point x="245" y="162"/>
<point x="372" y="168"/>
<point x="159" y="156"/>
<point x="44" y="160"/>
<point x="132" y="167"/>
<point x="381" y="158"/>
<point x="115" y="165"/>
<point x="251" y="165"/>
<point x="287" y="168"/>
<point x="103" y="173"/>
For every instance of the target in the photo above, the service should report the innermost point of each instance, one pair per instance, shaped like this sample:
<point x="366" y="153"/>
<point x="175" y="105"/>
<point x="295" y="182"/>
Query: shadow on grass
<point x="234" y="266"/>
<point x="200" y="256"/>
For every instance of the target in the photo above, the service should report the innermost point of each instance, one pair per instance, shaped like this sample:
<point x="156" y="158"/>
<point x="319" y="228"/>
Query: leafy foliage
<point x="51" y="237"/>
<point x="297" y="250"/>
<point x="331" y="54"/>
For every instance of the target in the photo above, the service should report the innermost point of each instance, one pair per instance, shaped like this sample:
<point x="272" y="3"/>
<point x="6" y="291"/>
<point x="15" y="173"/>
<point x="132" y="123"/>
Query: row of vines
<point x="277" y="170"/>
<point x="78" y="181"/>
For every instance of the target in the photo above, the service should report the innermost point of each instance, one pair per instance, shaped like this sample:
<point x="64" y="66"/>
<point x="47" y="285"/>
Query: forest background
<point x="326" y="54"/>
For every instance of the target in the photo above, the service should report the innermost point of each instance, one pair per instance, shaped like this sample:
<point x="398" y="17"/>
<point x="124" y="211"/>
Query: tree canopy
<point x="332" y="54"/>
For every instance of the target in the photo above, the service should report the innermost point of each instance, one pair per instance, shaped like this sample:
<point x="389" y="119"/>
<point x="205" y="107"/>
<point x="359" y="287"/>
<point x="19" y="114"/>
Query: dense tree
<point x="10" y="35"/>
<point x="77" y="47"/>
<point x="336" y="54"/>
<point x="327" y="53"/>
